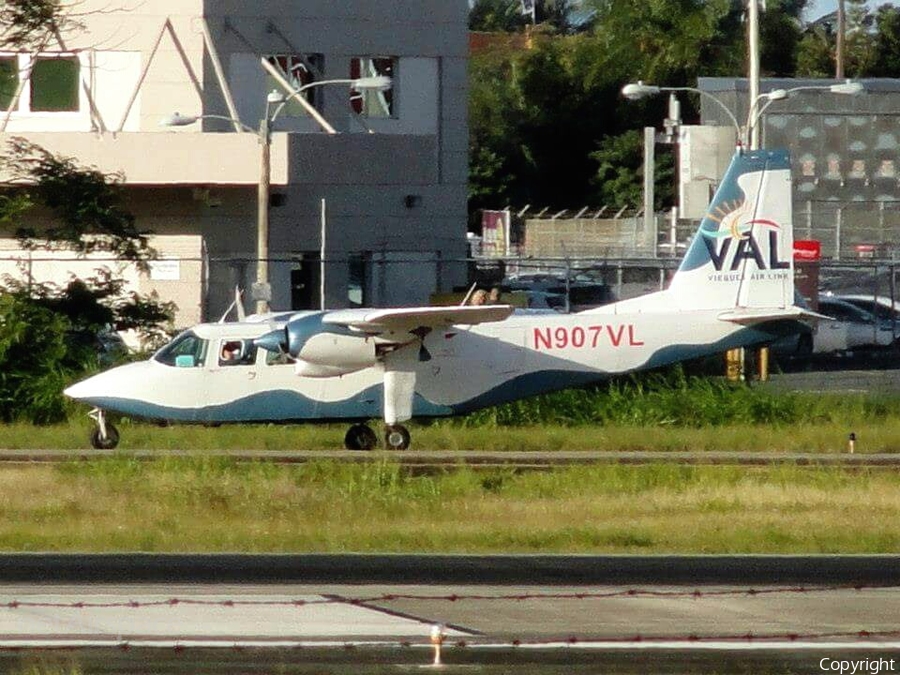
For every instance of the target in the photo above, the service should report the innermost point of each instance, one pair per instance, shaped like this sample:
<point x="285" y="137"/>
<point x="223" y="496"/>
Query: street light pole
<point x="753" y="69"/>
<point x="262" y="290"/>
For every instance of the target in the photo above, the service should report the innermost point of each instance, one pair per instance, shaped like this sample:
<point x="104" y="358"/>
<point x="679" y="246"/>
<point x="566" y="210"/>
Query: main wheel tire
<point x="396" y="437"/>
<point x="360" y="437"/>
<point x="111" y="440"/>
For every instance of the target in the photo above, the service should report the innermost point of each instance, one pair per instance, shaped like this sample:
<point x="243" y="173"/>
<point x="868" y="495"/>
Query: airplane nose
<point x="83" y="390"/>
<point x="116" y="382"/>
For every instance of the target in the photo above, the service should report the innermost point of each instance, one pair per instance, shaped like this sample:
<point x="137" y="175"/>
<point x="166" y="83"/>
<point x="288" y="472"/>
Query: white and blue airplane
<point x="734" y="288"/>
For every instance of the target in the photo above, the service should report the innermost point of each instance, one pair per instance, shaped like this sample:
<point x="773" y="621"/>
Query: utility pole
<point x="753" y="66"/>
<point x="839" y="46"/>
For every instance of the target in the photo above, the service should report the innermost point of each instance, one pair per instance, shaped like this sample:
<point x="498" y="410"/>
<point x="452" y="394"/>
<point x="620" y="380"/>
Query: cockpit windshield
<point x="185" y="351"/>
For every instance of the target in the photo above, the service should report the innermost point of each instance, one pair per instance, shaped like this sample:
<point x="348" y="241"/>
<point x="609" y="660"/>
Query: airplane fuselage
<point x="470" y="367"/>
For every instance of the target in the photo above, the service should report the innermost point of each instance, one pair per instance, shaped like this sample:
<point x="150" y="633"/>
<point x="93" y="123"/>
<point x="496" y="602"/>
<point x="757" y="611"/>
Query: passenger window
<point x="237" y="353"/>
<point x="279" y="359"/>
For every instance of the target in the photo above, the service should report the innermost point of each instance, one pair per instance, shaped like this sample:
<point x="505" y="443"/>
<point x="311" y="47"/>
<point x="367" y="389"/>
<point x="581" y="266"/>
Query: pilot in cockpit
<point x="231" y="353"/>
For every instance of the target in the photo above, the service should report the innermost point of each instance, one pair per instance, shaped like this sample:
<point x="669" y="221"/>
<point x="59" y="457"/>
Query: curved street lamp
<point x="377" y="83"/>
<point x="639" y="90"/>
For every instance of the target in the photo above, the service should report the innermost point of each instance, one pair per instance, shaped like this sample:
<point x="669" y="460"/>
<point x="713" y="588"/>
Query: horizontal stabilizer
<point x="750" y="316"/>
<point x="411" y="318"/>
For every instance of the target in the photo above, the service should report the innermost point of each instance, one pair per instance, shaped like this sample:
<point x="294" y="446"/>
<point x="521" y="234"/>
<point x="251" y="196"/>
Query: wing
<point x="409" y="319"/>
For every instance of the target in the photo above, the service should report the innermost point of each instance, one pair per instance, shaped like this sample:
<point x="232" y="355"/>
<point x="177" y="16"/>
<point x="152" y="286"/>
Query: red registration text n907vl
<point x="585" y="337"/>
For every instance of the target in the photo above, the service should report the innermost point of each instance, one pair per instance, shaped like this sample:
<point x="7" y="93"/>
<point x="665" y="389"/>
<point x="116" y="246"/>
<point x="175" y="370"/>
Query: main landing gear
<point x="104" y="436"/>
<point x="361" y="437"/>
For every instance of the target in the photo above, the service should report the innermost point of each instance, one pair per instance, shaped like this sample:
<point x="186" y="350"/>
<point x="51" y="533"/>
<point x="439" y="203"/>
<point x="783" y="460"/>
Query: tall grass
<point x="671" y="398"/>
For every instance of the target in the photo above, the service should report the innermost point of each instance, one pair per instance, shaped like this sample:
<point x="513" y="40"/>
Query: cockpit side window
<point x="185" y="351"/>
<point x="237" y="353"/>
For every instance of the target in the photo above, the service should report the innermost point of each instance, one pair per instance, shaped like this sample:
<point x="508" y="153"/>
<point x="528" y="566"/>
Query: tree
<point x="507" y="16"/>
<point x="28" y="23"/>
<point x="491" y="16"/>
<point x="35" y="361"/>
<point x="620" y="172"/>
<point x="886" y="62"/>
<point x="87" y="205"/>
<point x="816" y="52"/>
<point x="670" y="41"/>
<point x="39" y="323"/>
<point x="780" y="33"/>
<point x="49" y="332"/>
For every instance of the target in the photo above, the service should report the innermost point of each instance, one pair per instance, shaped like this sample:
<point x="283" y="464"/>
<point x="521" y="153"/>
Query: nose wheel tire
<point x="99" y="441"/>
<point x="360" y="437"/>
<point x="396" y="437"/>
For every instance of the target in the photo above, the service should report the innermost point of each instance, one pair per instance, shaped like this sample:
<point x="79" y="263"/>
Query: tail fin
<point x="742" y="255"/>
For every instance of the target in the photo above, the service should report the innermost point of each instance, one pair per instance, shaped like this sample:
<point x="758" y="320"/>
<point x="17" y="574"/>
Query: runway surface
<point x="704" y="617"/>
<point x="626" y="614"/>
<point x="384" y="628"/>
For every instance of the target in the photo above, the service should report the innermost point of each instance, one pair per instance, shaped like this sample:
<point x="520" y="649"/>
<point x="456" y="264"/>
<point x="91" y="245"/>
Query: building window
<point x="373" y="103"/>
<point x="299" y="70"/>
<point x="356" y="280"/>
<point x="9" y="80"/>
<point x="52" y="86"/>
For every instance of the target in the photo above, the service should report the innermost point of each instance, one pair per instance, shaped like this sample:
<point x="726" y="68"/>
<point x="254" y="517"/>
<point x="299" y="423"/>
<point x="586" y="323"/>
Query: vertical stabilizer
<point x="742" y="254"/>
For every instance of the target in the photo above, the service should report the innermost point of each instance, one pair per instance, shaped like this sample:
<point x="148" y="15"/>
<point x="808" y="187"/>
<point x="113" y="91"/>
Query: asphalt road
<point x="436" y="569"/>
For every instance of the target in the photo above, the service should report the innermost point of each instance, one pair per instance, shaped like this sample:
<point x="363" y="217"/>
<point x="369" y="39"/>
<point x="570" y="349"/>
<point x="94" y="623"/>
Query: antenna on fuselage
<point x="235" y="304"/>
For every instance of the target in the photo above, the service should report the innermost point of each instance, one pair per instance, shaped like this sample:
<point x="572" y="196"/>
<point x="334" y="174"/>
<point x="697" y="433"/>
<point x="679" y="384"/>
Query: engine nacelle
<point x="338" y="351"/>
<point x="335" y="349"/>
<point x="307" y="369"/>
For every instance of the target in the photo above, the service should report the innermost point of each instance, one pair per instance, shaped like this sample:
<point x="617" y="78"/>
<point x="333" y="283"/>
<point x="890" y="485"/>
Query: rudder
<point x="742" y="253"/>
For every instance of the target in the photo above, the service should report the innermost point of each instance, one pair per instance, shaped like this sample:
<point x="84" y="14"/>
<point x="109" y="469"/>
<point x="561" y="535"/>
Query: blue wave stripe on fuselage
<point x="272" y="406"/>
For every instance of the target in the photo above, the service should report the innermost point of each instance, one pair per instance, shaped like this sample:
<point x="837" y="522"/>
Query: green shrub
<point x="657" y="398"/>
<point x="35" y="361"/>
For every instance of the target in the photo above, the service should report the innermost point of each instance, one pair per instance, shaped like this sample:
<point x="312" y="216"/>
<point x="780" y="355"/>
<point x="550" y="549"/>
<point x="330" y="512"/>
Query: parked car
<point x="106" y="343"/>
<point x="881" y="306"/>
<point x="852" y="328"/>
<point x="549" y="291"/>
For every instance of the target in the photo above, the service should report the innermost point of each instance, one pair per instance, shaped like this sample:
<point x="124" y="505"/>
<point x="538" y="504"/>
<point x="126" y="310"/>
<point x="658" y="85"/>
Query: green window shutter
<point x="54" y="85"/>
<point x="9" y="81"/>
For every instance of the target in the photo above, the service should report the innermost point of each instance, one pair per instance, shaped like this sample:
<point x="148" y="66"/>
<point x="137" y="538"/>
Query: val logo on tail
<point x="734" y="288"/>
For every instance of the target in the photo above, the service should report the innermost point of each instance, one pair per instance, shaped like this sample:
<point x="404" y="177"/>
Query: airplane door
<point x="232" y="375"/>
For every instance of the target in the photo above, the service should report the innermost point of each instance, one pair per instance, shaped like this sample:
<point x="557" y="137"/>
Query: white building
<point x="98" y="93"/>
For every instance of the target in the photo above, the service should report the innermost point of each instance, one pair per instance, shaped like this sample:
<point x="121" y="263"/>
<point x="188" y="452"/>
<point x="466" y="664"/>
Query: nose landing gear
<point x="360" y="437"/>
<point x="104" y="436"/>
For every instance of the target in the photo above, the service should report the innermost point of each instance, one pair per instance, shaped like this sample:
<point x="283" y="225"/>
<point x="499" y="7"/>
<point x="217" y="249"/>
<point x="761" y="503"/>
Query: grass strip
<point x="215" y="504"/>
<point x="873" y="435"/>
